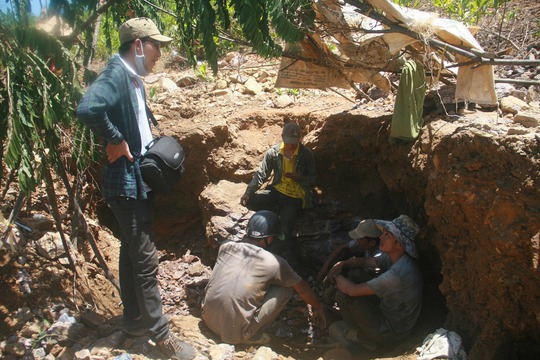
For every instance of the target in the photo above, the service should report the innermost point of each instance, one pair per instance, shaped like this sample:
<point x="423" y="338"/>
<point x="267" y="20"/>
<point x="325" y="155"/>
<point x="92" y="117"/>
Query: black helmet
<point x="264" y="223"/>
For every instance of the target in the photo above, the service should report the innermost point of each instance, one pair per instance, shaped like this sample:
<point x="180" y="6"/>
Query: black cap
<point x="264" y="223"/>
<point x="291" y="133"/>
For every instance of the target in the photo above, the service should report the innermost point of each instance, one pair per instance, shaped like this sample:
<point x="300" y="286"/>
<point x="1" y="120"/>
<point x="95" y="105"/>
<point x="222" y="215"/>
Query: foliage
<point x="261" y="22"/>
<point x="37" y="120"/>
<point x="38" y="88"/>
<point x="468" y="11"/>
<point x="293" y="92"/>
<point x="200" y="71"/>
<point x="290" y="91"/>
<point x="408" y="3"/>
<point x="107" y="40"/>
<point x="152" y="93"/>
<point x="42" y="334"/>
<point x="212" y="24"/>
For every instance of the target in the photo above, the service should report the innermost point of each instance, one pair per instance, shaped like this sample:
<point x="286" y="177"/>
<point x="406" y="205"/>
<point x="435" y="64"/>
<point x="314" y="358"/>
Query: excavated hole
<point x="353" y="163"/>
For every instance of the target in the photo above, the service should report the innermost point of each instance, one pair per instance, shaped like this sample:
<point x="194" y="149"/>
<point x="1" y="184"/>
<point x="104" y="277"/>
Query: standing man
<point x="250" y="286"/>
<point x="381" y="310"/>
<point x="114" y="108"/>
<point x="293" y="167"/>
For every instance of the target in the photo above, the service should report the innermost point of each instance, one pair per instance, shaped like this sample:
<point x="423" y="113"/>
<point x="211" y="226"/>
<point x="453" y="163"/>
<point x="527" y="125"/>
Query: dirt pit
<point x="361" y="173"/>
<point x="470" y="180"/>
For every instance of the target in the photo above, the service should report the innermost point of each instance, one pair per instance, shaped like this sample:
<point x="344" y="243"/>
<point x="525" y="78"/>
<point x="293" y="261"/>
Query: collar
<point x="126" y="65"/>
<point x="282" y="146"/>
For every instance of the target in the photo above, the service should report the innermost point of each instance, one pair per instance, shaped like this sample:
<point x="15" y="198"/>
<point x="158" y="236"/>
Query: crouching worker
<point x="365" y="242"/>
<point x="381" y="310"/>
<point x="250" y="286"/>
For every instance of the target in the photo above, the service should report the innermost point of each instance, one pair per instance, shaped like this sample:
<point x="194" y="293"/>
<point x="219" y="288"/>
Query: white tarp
<point x="346" y="49"/>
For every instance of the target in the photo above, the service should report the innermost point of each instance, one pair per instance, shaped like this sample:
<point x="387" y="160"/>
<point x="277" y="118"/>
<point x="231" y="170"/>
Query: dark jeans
<point x="139" y="264"/>
<point x="286" y="207"/>
<point x="364" y="312"/>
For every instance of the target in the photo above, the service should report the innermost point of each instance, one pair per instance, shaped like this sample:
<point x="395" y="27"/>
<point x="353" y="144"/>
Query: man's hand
<point x="319" y="317"/>
<point x="335" y="270"/>
<point x="115" y="152"/>
<point x="244" y="199"/>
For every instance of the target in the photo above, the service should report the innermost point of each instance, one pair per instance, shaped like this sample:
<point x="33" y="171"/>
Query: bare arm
<point x="349" y="288"/>
<point x="349" y="264"/>
<point x="330" y="260"/>
<point x="308" y="296"/>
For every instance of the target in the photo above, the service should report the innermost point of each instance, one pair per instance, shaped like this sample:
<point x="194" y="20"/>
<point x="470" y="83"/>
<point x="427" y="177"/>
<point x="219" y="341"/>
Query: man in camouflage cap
<point x="381" y="310"/>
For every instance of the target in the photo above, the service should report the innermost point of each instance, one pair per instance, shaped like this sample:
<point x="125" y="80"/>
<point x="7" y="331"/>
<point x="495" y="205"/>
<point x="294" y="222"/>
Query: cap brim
<point x="161" y="38"/>
<point x="366" y="228"/>
<point x="353" y="234"/>
<point x="291" y="140"/>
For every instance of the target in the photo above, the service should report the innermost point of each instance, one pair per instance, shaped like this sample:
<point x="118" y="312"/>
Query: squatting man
<point x="292" y="166"/>
<point x="250" y="286"/>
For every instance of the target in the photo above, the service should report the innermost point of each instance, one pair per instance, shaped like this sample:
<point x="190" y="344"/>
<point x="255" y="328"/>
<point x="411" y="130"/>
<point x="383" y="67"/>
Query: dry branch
<point x="91" y="19"/>
<point x="79" y="214"/>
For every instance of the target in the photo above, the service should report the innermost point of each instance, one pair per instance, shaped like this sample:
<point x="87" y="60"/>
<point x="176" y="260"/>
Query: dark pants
<point x="139" y="265"/>
<point x="286" y="207"/>
<point x="363" y="312"/>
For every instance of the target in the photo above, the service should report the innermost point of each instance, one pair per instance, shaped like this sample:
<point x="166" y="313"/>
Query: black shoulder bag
<point x="162" y="164"/>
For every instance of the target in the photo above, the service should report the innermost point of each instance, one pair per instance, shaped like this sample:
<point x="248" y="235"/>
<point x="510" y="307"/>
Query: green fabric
<point x="407" y="119"/>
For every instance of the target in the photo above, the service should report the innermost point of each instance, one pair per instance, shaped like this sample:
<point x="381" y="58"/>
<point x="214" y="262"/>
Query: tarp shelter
<point x="348" y="47"/>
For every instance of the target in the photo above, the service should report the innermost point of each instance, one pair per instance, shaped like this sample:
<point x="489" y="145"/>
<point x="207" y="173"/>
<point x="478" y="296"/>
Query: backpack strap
<point x="152" y="118"/>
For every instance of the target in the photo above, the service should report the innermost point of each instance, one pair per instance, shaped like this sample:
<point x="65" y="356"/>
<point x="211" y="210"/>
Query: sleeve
<point x="285" y="275"/>
<point x="263" y="173"/>
<point x="310" y="175"/>
<point x="385" y="284"/>
<point x="94" y="107"/>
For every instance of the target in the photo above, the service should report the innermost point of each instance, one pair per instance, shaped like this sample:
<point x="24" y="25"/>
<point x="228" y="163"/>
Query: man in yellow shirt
<point x="293" y="167"/>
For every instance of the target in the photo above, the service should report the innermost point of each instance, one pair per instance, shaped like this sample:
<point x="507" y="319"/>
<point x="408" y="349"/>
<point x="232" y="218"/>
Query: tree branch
<point x="91" y="19"/>
<point x="79" y="214"/>
<point x="159" y="8"/>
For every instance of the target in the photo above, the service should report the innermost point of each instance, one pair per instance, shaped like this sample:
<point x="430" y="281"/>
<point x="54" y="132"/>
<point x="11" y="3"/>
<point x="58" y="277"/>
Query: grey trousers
<point x="364" y="312"/>
<point x="274" y="302"/>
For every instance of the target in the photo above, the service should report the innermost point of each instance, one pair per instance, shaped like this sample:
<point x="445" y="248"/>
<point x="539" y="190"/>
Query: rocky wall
<point x="482" y="199"/>
<point x="475" y="190"/>
<point x="472" y="187"/>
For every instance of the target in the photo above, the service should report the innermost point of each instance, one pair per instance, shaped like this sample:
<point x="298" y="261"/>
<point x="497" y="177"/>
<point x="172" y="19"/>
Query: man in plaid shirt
<point x="114" y="108"/>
